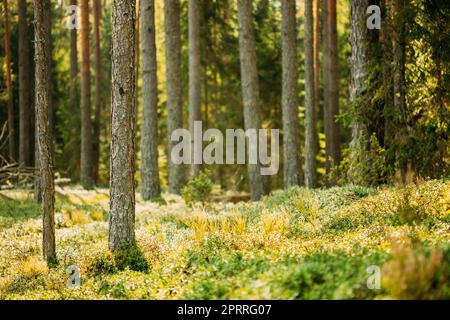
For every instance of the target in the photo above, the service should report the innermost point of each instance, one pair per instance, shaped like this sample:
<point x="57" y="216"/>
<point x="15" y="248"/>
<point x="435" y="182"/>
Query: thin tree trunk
<point x="359" y="40"/>
<point x="149" y="140"/>
<point x="310" y="102"/>
<point x="334" y="83"/>
<point x="98" y="95"/>
<point x="24" y="98"/>
<point x="74" y="102"/>
<point x="250" y="87"/>
<point x="136" y="104"/>
<point x="398" y="52"/>
<point x="51" y="123"/>
<point x="73" y="54"/>
<point x="86" y="125"/>
<point x="195" y="96"/>
<point x="388" y="112"/>
<point x="42" y="59"/>
<point x="9" y="89"/>
<point x="331" y="109"/>
<point x="291" y="126"/>
<point x="316" y="77"/>
<point x="122" y="198"/>
<point x="173" y="83"/>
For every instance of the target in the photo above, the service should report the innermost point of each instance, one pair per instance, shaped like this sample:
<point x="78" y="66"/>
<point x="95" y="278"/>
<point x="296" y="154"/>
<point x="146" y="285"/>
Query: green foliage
<point x="131" y="258"/>
<point x="101" y="263"/>
<point x="326" y="275"/>
<point x="198" y="189"/>
<point x="365" y="163"/>
<point x="295" y="244"/>
<point x="13" y="211"/>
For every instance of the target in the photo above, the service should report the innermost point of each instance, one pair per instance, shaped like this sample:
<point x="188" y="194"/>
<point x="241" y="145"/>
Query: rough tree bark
<point x="317" y="36"/>
<point x="73" y="57"/>
<point x="359" y="40"/>
<point x="173" y="83"/>
<point x="98" y="95"/>
<point x="9" y="89"/>
<point x="291" y="126"/>
<point x="398" y="70"/>
<point x="331" y="108"/>
<point x="250" y="87"/>
<point x="122" y="198"/>
<point x="310" y="101"/>
<point x="137" y="57"/>
<point x="195" y="100"/>
<point x="86" y="125"/>
<point x="24" y="91"/>
<point x="149" y="140"/>
<point x="42" y="54"/>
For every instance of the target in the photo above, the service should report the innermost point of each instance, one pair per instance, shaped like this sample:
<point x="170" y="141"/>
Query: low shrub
<point x="198" y="189"/>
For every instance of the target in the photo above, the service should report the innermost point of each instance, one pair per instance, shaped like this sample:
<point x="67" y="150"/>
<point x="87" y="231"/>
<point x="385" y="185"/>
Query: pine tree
<point x="122" y="197"/>
<point x="195" y="101"/>
<point x="42" y="61"/>
<point x="173" y="84"/>
<point x="86" y="125"/>
<point x="149" y="139"/>
<point x="291" y="127"/>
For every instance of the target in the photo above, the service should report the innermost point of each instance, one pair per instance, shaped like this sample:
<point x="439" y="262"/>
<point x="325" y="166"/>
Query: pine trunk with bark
<point x="359" y="41"/>
<point x="24" y="91"/>
<point x="398" y="73"/>
<point x="331" y="107"/>
<point x="42" y="58"/>
<point x="310" y="98"/>
<point x="149" y="140"/>
<point x="173" y="83"/>
<point x="291" y="126"/>
<point x="317" y="32"/>
<point x="73" y="57"/>
<point x="98" y="94"/>
<point x="86" y="125"/>
<point x="9" y="89"/>
<point x="122" y="197"/>
<point x="250" y="87"/>
<point x="195" y="100"/>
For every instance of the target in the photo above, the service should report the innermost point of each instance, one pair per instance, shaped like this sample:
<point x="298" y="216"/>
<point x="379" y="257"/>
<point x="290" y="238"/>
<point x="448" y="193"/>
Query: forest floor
<point x="294" y="244"/>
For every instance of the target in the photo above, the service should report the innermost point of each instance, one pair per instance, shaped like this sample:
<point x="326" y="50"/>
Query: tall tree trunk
<point x="310" y="99"/>
<point x="291" y="127"/>
<point x="316" y="77"/>
<point x="73" y="52"/>
<point x="42" y="59"/>
<point x="173" y="80"/>
<point x="388" y="112"/>
<point x="398" y="53"/>
<point x="195" y="99"/>
<point x="74" y="101"/>
<point x="86" y="125"/>
<point x="24" y="98"/>
<point x="122" y="198"/>
<point x="149" y="140"/>
<point x="250" y="87"/>
<point x="98" y="95"/>
<point x="359" y="40"/>
<point x="9" y="89"/>
<point x="137" y="57"/>
<point x="331" y="108"/>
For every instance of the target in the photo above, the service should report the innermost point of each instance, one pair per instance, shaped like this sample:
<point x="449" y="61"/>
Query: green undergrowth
<point x="293" y="244"/>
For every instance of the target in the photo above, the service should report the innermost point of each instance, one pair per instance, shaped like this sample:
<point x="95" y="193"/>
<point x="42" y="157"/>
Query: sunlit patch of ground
<point x="294" y="244"/>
